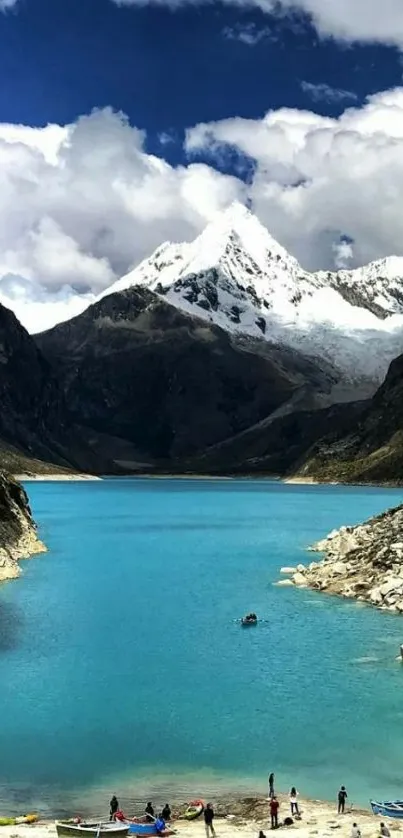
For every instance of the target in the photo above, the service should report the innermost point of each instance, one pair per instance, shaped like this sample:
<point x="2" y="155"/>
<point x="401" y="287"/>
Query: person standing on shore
<point x="166" y="812"/>
<point x="114" y="804"/>
<point x="274" y="807"/>
<point x="341" y="798"/>
<point x="149" y="812"/>
<point x="208" y="820"/>
<point x="294" y="801"/>
<point x="271" y="785"/>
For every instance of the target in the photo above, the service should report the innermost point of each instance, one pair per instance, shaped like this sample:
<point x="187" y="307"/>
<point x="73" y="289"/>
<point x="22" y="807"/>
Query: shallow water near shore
<point x="123" y="667"/>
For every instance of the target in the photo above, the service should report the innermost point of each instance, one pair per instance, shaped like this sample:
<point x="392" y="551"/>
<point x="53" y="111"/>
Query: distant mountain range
<point x="216" y="356"/>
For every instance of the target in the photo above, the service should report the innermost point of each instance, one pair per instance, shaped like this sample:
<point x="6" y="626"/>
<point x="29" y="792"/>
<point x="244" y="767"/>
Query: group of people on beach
<point x="149" y="813"/>
<point x="164" y="816"/>
<point x="295" y="811"/>
<point x="274" y="806"/>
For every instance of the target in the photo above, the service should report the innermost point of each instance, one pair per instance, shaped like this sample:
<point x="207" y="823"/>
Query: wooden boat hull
<point x="91" y="830"/>
<point x="390" y="809"/>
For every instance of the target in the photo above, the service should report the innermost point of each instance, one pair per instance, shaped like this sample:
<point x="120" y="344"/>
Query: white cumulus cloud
<point x="80" y="204"/>
<point x="317" y="179"/>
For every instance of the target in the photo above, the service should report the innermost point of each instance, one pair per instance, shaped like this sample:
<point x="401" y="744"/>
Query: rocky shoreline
<point x="364" y="562"/>
<point x="18" y="533"/>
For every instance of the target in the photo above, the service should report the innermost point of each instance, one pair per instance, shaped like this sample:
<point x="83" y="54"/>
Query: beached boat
<point x="144" y="830"/>
<point x="391" y="809"/>
<point x="77" y="829"/>
<point x="194" y="810"/>
<point x="20" y="819"/>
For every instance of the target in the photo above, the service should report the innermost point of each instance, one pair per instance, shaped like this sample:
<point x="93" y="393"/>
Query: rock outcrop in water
<point x="364" y="562"/>
<point x="18" y="535"/>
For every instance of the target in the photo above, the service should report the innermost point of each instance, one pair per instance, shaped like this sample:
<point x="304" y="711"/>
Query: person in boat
<point x="166" y="813"/>
<point x="294" y="801"/>
<point x="114" y="807"/>
<point x="385" y="832"/>
<point x="149" y="812"/>
<point x="341" y="800"/>
<point x="159" y="825"/>
<point x="208" y="820"/>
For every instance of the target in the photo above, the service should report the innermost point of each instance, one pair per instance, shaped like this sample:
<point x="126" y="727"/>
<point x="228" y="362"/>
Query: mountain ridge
<point x="166" y="383"/>
<point x="236" y="275"/>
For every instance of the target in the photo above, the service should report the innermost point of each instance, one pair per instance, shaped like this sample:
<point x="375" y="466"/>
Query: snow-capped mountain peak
<point x="235" y="274"/>
<point x="235" y="253"/>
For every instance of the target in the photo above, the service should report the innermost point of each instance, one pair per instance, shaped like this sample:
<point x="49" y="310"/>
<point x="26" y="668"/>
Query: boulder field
<point x="363" y="562"/>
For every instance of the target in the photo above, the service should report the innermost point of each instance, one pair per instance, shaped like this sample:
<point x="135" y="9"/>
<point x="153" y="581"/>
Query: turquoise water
<point x="122" y="668"/>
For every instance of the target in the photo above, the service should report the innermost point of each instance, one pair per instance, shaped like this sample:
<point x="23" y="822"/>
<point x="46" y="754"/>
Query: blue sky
<point x="126" y="123"/>
<point x="170" y="69"/>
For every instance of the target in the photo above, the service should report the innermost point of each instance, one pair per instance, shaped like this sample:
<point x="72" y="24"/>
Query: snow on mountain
<point x="236" y="275"/>
<point x="377" y="287"/>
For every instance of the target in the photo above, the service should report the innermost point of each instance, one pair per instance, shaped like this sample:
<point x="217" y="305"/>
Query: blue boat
<point x="145" y="830"/>
<point x="390" y="809"/>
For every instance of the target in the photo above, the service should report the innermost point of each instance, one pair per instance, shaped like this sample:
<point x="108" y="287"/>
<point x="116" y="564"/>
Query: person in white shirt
<point x="355" y="831"/>
<point x="294" y="801"/>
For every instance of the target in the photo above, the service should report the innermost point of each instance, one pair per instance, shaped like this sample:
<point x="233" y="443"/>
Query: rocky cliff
<point x="18" y="535"/>
<point x="367" y="448"/>
<point x="364" y="562"/>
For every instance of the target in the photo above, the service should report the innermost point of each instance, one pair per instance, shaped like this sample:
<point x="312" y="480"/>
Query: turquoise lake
<point x="123" y="669"/>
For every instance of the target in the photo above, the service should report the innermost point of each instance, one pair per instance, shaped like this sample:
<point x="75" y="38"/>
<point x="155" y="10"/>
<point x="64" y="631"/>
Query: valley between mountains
<point x="218" y="356"/>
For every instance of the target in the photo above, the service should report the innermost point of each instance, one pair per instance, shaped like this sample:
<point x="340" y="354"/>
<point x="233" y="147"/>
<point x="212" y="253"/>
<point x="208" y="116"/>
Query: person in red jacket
<point x="274" y="807"/>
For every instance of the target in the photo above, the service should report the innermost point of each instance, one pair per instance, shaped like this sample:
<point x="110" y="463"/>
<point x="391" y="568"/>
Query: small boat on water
<point x="194" y="810"/>
<point x="78" y="829"/>
<point x="391" y="809"/>
<point x="249" y="620"/>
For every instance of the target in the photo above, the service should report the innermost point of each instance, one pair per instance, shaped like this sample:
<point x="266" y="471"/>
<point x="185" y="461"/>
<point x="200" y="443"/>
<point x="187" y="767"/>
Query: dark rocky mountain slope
<point x="278" y="447"/>
<point x="358" y="442"/>
<point x="150" y="384"/>
<point x="135" y="384"/>
<point x="370" y="449"/>
<point x="32" y="415"/>
<point x="37" y="431"/>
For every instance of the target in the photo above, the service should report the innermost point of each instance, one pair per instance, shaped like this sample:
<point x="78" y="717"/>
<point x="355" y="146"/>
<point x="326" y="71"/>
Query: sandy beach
<point x="44" y="478"/>
<point x="244" y="818"/>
